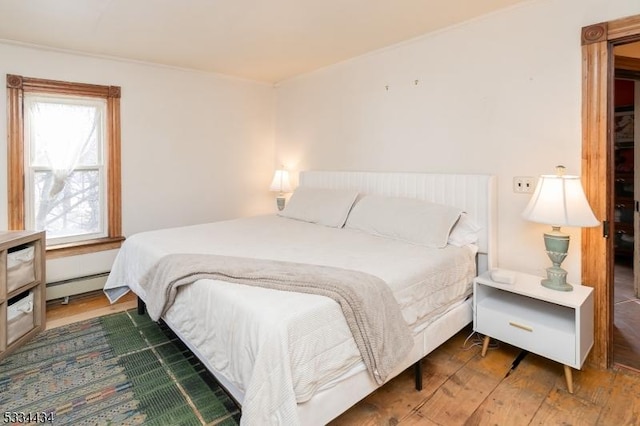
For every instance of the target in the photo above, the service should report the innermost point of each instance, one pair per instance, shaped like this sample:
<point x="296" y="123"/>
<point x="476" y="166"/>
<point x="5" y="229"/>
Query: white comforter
<point x="278" y="348"/>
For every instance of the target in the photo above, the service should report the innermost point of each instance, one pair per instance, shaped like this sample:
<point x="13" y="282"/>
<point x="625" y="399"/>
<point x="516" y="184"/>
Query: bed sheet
<point x="278" y="348"/>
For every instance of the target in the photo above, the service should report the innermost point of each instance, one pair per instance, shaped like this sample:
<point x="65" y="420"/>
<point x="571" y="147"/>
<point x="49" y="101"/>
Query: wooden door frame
<point x="597" y="170"/>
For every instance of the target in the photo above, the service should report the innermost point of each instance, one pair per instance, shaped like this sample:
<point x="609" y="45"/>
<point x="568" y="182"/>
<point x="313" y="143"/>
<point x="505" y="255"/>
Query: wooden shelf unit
<point x="11" y="240"/>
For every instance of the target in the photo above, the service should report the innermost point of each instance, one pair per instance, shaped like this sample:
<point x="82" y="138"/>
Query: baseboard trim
<point x="65" y="288"/>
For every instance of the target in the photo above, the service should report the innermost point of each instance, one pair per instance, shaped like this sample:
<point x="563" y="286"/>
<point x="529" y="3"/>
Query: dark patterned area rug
<point x="120" y="369"/>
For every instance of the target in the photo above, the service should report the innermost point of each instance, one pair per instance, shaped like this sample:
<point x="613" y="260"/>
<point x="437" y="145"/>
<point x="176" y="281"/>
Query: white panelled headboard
<point x="475" y="194"/>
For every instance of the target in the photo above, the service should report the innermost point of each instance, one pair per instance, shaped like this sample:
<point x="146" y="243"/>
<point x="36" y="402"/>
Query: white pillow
<point x="407" y="219"/>
<point x="464" y="232"/>
<point x="328" y="207"/>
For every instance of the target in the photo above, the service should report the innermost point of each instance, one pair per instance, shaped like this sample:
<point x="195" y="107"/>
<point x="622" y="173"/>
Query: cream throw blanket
<point x="370" y="309"/>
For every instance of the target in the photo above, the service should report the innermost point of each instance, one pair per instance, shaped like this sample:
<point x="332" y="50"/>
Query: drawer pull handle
<point x="520" y="326"/>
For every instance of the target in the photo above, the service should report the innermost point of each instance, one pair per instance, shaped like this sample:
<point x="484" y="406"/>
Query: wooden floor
<point x="462" y="388"/>
<point x="88" y="305"/>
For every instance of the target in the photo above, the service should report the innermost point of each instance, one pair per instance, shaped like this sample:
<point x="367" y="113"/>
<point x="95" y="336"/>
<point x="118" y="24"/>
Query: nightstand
<point x="554" y="324"/>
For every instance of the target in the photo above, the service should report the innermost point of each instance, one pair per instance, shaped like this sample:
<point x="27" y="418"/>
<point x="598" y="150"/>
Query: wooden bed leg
<point x="417" y="369"/>
<point x="141" y="306"/>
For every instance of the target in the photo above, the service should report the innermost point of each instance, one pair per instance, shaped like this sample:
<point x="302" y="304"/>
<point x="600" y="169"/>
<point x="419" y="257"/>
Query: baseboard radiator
<point x="73" y="286"/>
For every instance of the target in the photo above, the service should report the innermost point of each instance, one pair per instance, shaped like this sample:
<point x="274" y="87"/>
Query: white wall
<point x="196" y="147"/>
<point x="500" y="94"/>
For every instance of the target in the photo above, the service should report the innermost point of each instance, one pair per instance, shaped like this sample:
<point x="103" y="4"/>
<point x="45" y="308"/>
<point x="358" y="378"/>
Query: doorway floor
<point x="626" y="329"/>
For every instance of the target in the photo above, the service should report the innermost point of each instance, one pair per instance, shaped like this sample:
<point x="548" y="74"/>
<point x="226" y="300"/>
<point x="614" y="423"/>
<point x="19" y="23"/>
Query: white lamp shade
<point x="280" y="182"/>
<point x="560" y="201"/>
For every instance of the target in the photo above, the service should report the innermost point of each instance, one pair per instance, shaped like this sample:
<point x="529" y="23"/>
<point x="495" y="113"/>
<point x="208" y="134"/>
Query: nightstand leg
<point x="485" y="345"/>
<point x="569" y="378"/>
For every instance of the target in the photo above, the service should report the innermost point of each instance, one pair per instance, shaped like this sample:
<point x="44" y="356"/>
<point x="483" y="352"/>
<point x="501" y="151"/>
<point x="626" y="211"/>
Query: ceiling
<point x="264" y="40"/>
<point x="631" y="50"/>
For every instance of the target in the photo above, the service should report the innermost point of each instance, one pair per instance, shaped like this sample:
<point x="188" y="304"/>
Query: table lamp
<point x="280" y="184"/>
<point x="559" y="200"/>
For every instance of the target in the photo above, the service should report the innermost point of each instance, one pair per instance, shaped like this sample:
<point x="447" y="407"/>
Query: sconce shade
<point x="559" y="200"/>
<point x="280" y="182"/>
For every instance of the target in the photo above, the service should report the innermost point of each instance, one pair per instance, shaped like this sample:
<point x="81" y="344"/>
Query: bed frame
<point x="475" y="194"/>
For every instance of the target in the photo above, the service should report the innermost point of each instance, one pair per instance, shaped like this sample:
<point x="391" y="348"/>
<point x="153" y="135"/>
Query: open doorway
<point x="626" y="193"/>
<point x="598" y="42"/>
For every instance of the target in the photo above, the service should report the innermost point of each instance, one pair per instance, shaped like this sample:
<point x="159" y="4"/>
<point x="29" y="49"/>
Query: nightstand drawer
<point x="534" y="325"/>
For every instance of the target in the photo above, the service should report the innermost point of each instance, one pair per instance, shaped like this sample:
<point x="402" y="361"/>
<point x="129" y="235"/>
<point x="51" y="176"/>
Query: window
<point x="64" y="163"/>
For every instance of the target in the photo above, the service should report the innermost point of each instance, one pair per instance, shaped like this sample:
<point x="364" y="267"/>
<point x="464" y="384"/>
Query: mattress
<point x="279" y="348"/>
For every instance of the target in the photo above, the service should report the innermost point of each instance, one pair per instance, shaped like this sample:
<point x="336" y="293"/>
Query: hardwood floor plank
<point x="519" y="395"/>
<point x="85" y="306"/>
<point x="398" y="400"/>
<point x="461" y="387"/>
<point x="459" y="397"/>
<point x="416" y="419"/>
<point x="386" y="405"/>
<point x="593" y="385"/>
<point x="562" y="408"/>
<point x="592" y="389"/>
<point x="623" y="408"/>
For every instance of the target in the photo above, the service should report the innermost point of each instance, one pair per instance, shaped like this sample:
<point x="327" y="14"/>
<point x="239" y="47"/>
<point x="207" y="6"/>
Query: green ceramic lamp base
<point x="557" y="244"/>
<point x="557" y="284"/>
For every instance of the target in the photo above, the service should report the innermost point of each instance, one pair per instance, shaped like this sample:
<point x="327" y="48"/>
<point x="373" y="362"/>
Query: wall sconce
<point x="280" y="184"/>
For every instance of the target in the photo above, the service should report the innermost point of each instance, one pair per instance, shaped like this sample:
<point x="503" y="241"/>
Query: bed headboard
<point x="475" y="194"/>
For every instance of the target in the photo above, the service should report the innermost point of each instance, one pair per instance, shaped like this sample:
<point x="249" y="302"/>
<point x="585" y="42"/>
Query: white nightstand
<point x="554" y="324"/>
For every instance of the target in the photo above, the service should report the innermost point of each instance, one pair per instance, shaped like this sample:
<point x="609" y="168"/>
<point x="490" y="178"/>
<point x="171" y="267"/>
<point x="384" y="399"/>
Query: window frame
<point x="17" y="86"/>
<point x="32" y="168"/>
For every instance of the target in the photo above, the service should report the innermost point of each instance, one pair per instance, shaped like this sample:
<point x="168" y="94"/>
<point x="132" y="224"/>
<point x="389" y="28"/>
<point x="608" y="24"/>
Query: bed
<point x="289" y="357"/>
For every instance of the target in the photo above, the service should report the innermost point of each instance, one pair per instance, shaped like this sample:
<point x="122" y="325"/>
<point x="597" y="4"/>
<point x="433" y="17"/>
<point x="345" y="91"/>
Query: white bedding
<point x="278" y="347"/>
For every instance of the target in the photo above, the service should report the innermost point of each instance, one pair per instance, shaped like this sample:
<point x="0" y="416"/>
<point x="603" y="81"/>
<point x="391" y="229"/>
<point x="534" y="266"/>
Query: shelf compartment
<point x="20" y="267"/>
<point x="20" y="318"/>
